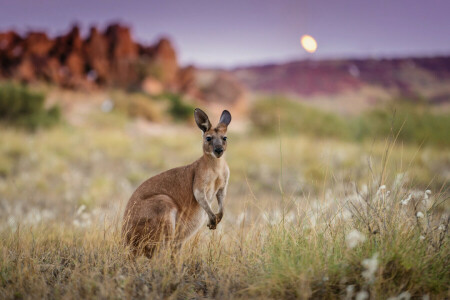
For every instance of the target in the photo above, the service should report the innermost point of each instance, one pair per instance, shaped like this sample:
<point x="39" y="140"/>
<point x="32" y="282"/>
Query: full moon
<point x="309" y="43"/>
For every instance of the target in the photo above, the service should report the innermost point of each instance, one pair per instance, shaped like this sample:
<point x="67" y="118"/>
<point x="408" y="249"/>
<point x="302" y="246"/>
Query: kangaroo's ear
<point x="202" y="120"/>
<point x="225" y="118"/>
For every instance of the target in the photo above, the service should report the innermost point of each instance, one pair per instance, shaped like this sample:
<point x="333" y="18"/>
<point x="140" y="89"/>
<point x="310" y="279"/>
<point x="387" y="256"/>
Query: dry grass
<point x="324" y="220"/>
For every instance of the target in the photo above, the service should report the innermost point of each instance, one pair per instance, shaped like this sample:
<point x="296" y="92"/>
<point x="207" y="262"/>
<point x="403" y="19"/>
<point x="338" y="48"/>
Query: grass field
<point x="305" y="217"/>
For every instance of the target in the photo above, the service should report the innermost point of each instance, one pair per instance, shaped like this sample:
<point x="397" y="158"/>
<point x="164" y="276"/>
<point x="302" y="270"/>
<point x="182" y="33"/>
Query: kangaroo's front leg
<point x="201" y="198"/>
<point x="221" y="193"/>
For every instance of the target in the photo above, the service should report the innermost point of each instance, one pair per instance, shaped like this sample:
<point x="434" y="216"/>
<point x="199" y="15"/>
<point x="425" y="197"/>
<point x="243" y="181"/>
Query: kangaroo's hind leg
<point x="151" y="224"/>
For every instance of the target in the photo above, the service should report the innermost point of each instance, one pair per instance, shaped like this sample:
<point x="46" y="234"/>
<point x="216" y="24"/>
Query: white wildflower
<point x="426" y="195"/>
<point x="81" y="209"/>
<point x="371" y="266"/>
<point x="381" y="189"/>
<point x="82" y="219"/>
<point x="346" y="214"/>
<point x="349" y="292"/>
<point x="420" y="214"/>
<point x="404" y="296"/>
<point x="441" y="227"/>
<point x="107" y="105"/>
<point x="11" y="221"/>
<point x="290" y="217"/>
<point x="421" y="237"/>
<point x="362" y="295"/>
<point x="240" y="218"/>
<point x="406" y="201"/>
<point x="273" y="218"/>
<point x="364" y="189"/>
<point x="353" y="238"/>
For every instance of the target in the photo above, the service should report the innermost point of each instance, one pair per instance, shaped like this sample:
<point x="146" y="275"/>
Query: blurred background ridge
<point x="112" y="58"/>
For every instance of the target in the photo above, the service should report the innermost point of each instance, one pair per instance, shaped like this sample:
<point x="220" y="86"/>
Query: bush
<point x="412" y="121"/>
<point x="179" y="109"/>
<point x="268" y="115"/>
<point x="23" y="107"/>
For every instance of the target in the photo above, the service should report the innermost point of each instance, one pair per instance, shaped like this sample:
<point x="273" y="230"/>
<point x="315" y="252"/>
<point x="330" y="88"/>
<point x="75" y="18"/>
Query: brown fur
<point x="173" y="205"/>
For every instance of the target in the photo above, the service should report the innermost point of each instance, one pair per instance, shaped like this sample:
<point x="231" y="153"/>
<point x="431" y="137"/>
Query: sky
<point x="230" y="33"/>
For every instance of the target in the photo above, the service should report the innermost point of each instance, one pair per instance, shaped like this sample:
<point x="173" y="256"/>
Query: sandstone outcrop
<point x="104" y="58"/>
<point x="109" y="58"/>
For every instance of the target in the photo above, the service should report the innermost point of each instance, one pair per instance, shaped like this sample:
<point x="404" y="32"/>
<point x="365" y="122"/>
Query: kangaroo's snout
<point x="218" y="151"/>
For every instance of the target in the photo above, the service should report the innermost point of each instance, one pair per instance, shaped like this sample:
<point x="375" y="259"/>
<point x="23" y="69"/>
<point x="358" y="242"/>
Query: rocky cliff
<point x="109" y="58"/>
<point x="103" y="58"/>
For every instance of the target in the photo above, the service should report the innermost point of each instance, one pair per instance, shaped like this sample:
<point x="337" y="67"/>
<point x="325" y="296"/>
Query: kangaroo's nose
<point x="218" y="150"/>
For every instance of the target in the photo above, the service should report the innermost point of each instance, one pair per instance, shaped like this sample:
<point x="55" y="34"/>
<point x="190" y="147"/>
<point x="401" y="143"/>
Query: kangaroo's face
<point x="214" y="139"/>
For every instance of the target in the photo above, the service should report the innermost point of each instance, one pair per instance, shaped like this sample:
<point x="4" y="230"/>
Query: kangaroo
<point x="173" y="205"/>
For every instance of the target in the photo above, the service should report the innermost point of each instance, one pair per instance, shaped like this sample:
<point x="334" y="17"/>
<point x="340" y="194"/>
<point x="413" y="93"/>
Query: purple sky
<point x="231" y="32"/>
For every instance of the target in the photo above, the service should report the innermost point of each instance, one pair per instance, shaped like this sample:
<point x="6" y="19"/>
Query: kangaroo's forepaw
<point x="212" y="223"/>
<point x="219" y="217"/>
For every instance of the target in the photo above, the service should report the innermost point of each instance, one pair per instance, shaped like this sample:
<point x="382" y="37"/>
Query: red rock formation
<point x="165" y="59"/>
<point x="68" y="50"/>
<point x="52" y="70"/>
<point x="123" y="54"/>
<point x="161" y="62"/>
<point x="106" y="58"/>
<point x="37" y="44"/>
<point x="8" y="40"/>
<point x="10" y="49"/>
<point x="97" y="56"/>
<point x="186" y="80"/>
<point x="25" y="70"/>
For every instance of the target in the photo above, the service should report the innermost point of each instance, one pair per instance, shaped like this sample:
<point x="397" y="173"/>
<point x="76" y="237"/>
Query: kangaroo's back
<point x="177" y="183"/>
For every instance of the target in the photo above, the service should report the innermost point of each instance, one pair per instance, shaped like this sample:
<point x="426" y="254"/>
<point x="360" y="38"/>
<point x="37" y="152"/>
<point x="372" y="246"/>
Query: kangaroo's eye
<point x="208" y="139"/>
<point x="224" y="138"/>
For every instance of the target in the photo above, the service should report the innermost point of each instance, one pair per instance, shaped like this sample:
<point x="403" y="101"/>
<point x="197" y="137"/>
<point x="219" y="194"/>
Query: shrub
<point x="412" y="121"/>
<point x="292" y="117"/>
<point x="179" y="109"/>
<point x="23" y="107"/>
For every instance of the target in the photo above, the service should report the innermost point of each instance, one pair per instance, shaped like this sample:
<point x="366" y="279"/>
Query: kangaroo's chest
<point x="212" y="183"/>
